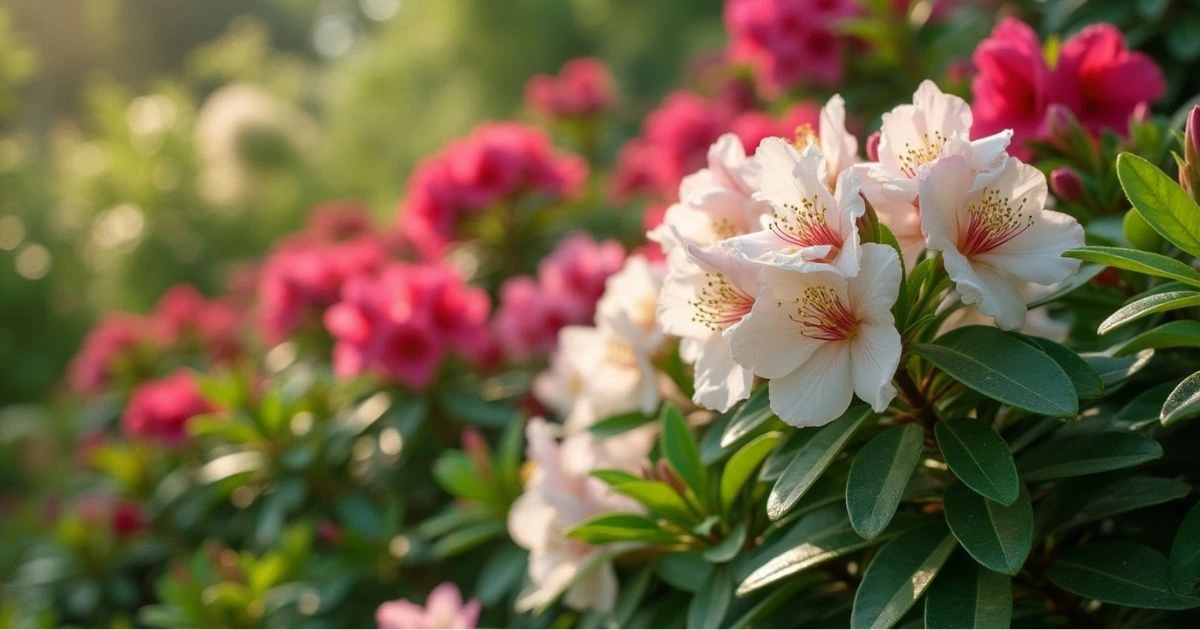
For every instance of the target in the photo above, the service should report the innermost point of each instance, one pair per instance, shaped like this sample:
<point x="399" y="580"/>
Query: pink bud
<point x="1061" y="121"/>
<point x="477" y="450"/>
<point x="1191" y="136"/>
<point x="873" y="147"/>
<point x="1066" y="184"/>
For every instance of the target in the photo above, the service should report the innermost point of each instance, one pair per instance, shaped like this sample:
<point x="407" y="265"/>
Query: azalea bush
<point x="873" y="321"/>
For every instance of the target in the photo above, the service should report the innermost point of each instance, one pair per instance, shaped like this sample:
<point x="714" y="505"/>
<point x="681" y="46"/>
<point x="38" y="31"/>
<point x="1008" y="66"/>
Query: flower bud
<point x="1066" y="184"/>
<point x="1189" y="167"/>
<point x="1069" y="136"/>
<point x="477" y="450"/>
<point x="1060" y="120"/>
<point x="873" y="147"/>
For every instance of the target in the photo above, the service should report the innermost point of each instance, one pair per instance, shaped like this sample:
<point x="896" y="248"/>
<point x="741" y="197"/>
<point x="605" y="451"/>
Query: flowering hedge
<point x="916" y="354"/>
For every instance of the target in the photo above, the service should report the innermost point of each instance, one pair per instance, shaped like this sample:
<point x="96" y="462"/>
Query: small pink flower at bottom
<point x="443" y="609"/>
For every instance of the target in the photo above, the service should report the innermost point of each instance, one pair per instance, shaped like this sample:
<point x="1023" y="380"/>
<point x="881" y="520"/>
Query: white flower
<point x="595" y="374"/>
<point x="809" y="227"/>
<point x="559" y="495"/>
<point x="995" y="234"/>
<point x="839" y="148"/>
<point x="728" y="169"/>
<point x="705" y="294"/>
<point x="935" y="125"/>
<point x="627" y="308"/>
<point x="821" y="338"/>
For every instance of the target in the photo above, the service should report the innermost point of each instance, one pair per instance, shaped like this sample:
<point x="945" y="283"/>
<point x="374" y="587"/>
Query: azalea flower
<point x="560" y="494"/>
<point x="627" y="308"/>
<point x="702" y="297"/>
<point x="995" y="234"/>
<point x="821" y="338"/>
<point x="443" y="609"/>
<point x="594" y="375"/>
<point x="839" y="148"/>
<point x="809" y="227"/>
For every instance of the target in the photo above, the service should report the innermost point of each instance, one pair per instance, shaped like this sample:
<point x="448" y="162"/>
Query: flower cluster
<point x="1093" y="74"/>
<point x="159" y="410"/>
<point x="401" y="323"/>
<point x="443" y="609"/>
<point x="496" y="163"/>
<point x="569" y="282"/>
<point x="769" y="277"/>
<point x="583" y="88"/>
<point x="184" y="317"/>
<point x="112" y="342"/>
<point x="789" y="41"/>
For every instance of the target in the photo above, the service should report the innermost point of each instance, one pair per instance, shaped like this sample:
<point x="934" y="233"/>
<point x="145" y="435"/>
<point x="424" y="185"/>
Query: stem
<point x="921" y="406"/>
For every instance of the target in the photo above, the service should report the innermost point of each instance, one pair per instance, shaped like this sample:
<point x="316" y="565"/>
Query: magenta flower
<point x="114" y="339"/>
<point x="788" y="42"/>
<point x="582" y="89"/>
<point x="1095" y="76"/>
<point x="443" y="609"/>
<point x="184" y="316"/>
<point x="159" y="411"/>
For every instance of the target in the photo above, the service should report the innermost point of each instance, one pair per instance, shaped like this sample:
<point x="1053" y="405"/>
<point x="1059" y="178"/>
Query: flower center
<point x="724" y="228"/>
<point x="993" y="222"/>
<point x="720" y="303"/>
<point x="805" y="135"/>
<point x="822" y="315"/>
<point x="620" y="353"/>
<point x="806" y="227"/>
<point x="911" y="158"/>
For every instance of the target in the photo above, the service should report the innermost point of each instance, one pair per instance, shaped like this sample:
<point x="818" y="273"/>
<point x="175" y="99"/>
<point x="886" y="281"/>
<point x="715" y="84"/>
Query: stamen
<point x="805" y="226"/>
<point x="720" y="304"/>
<point x="822" y="315"/>
<point x="993" y="222"/>
<point x="805" y="135"/>
<point x="911" y="158"/>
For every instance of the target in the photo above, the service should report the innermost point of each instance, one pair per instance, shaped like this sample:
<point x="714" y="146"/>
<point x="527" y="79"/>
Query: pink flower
<point x="159" y="411"/>
<point x="443" y="609"/>
<point x="337" y="221"/>
<point x="123" y="517"/>
<point x="528" y="320"/>
<point x="302" y="278"/>
<point x="401" y="322"/>
<point x="1096" y="76"/>
<point x="789" y="41"/>
<point x="577" y="270"/>
<point x="113" y="341"/>
<point x="583" y="88"/>
<point x="184" y="316"/>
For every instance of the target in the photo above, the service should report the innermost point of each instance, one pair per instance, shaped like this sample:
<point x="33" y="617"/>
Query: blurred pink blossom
<point x="115" y="338"/>
<point x="443" y="609"/>
<point x="788" y="42"/>
<point x="583" y="88"/>
<point x="159" y="410"/>
<point x="184" y="316"/>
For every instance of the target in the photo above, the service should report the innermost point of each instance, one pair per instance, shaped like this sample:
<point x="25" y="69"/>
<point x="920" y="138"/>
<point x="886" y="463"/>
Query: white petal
<point x="676" y="310"/>
<point x="874" y="357"/>
<point x="719" y="381"/>
<point x="839" y="147"/>
<point x="994" y="293"/>
<point x="988" y="153"/>
<point x="943" y="193"/>
<point x="942" y="112"/>
<point x="767" y="342"/>
<point x="877" y="286"/>
<point x="529" y="520"/>
<point x="1036" y="254"/>
<point x="595" y="590"/>
<point x="818" y="391"/>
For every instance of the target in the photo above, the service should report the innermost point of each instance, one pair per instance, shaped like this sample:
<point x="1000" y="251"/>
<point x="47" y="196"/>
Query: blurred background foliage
<point x="109" y="129"/>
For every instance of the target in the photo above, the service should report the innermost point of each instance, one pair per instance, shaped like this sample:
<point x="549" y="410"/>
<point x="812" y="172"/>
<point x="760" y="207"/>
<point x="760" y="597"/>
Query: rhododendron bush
<point x="882" y="316"/>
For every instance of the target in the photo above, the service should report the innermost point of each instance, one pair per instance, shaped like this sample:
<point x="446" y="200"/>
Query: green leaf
<point x="455" y="472"/>
<point x="966" y="595"/>
<point x="1114" y="369"/>
<point x="1149" y="305"/>
<point x="1002" y="367"/>
<point x="1183" y="36"/>
<point x="614" y="477"/>
<point x="468" y="538"/>
<point x="742" y="464"/>
<point x="685" y="571"/>
<point x="1184" y="563"/>
<point x="1146" y="407"/>
<point x="880" y="472"/>
<point x="783" y="454"/>
<point x="1118" y="572"/>
<point x="980" y="458"/>
<point x="1138" y="261"/>
<point x="815" y="538"/>
<point x="1087" y="382"/>
<point x="812" y="459"/>
<point x="751" y="415"/>
<point x="632" y="592"/>
<point x="997" y="536"/>
<point x="662" y="500"/>
<point x="1161" y="201"/>
<point x="618" y="424"/>
<point x="1126" y="495"/>
<point x="1087" y="453"/>
<point x="622" y="528"/>
<point x="1068" y="286"/>
<point x="711" y="602"/>
<point x="679" y="447"/>
<point x="501" y="574"/>
<point x="729" y="546"/>
<point x="1184" y="401"/>
<point x="1176" y="334"/>
<point x="899" y="574"/>
<point x="1139" y="233"/>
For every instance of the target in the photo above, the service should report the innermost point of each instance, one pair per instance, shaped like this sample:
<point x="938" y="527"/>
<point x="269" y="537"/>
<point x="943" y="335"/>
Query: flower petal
<point x="818" y="391"/>
<point x="874" y="357"/>
<point x="994" y="293"/>
<point x="767" y="342"/>
<point x="719" y="381"/>
<point x="874" y="291"/>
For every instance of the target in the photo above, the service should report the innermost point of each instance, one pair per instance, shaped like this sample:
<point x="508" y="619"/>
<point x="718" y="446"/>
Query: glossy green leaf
<point x="783" y="454"/>
<point x="711" y="602"/>
<point x="685" y="571"/>
<point x="980" y="458"/>
<point x="1118" y="572"/>
<point x="729" y="547"/>
<point x="997" y="536"/>
<point x="966" y="595"/>
<point x="741" y="466"/>
<point x="1087" y="382"/>
<point x="815" y="538"/>
<point x="1137" y="261"/>
<point x="1087" y="453"/>
<point x="1149" y="305"/>
<point x="662" y="500"/>
<point x="1068" y="286"/>
<point x="899" y="575"/>
<point x="1126" y="495"/>
<point x="613" y="477"/>
<point x="1000" y="366"/>
<point x="633" y="590"/>
<point x="616" y="425"/>
<point x="621" y="528"/>
<point x="1183" y="402"/>
<point x="753" y="413"/>
<point x="1177" y="334"/>
<point x="501" y="574"/>
<point x="1114" y="369"/>
<point x="812" y="459"/>
<point x="679" y="447"/>
<point x="1184" y="563"/>
<point x="880" y="472"/>
<point x="1161" y="201"/>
